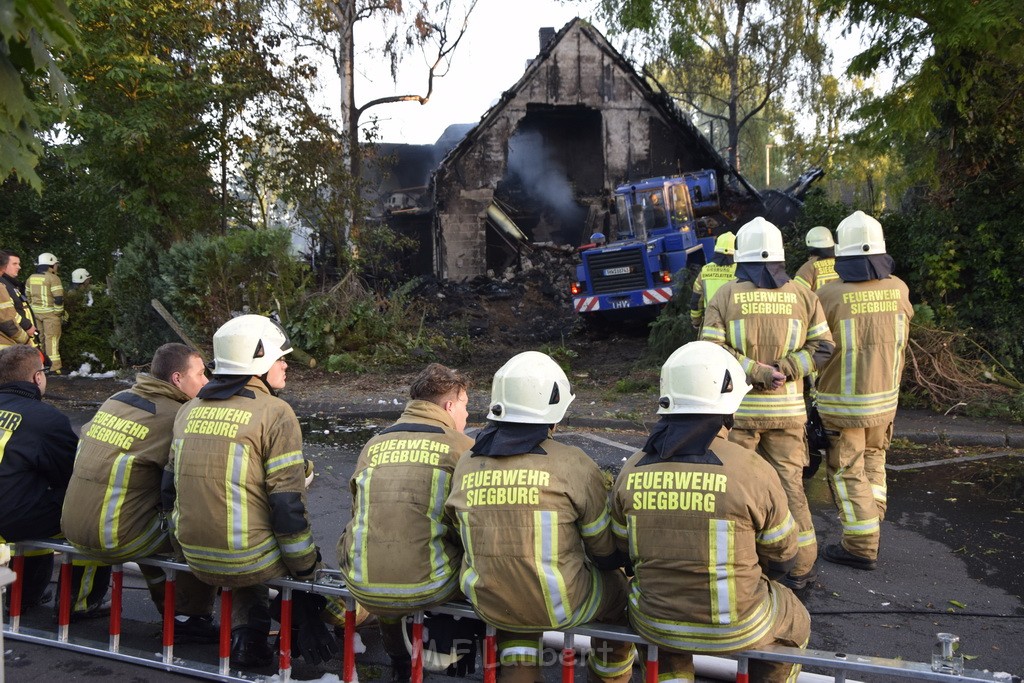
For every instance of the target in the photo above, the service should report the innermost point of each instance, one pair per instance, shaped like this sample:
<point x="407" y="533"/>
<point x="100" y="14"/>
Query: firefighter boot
<point x="249" y="648"/>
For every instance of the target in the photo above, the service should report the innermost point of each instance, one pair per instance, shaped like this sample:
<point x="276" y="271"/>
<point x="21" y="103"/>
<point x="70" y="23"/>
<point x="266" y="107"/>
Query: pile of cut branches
<point x="948" y="369"/>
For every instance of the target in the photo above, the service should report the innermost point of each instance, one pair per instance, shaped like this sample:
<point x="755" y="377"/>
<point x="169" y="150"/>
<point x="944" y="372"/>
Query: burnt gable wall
<point x="576" y="125"/>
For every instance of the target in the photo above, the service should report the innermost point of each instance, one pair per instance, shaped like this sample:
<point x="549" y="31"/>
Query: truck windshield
<point x="631" y="224"/>
<point x="653" y="208"/>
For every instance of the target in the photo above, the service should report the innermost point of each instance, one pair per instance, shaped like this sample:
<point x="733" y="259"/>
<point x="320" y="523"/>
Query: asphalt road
<point x="922" y="586"/>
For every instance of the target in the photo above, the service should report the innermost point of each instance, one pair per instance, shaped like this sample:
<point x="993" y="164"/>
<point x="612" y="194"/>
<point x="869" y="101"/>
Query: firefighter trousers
<point x="786" y="451"/>
<point x="610" y="661"/>
<point x="192" y="597"/>
<point x="49" y="333"/>
<point x="856" y="475"/>
<point x="791" y="628"/>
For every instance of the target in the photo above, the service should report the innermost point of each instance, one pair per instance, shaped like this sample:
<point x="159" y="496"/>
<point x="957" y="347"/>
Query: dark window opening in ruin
<point x="555" y="174"/>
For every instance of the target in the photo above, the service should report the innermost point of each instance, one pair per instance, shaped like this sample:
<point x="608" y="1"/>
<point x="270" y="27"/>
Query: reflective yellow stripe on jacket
<point x="41" y="294"/>
<point x="401" y="595"/>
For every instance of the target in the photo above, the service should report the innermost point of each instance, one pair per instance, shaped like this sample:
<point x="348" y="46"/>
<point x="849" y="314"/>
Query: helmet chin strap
<point x="263" y="378"/>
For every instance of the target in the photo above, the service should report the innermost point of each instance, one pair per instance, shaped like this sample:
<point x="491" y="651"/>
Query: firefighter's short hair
<point x="438" y="384"/>
<point x="19" y="363"/>
<point x="171" y="358"/>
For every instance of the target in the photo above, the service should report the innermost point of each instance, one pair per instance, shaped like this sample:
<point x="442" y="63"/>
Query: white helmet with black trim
<point x="248" y="345"/>
<point x="759" y="241"/>
<point x="80" y="275"/>
<point x="820" y="237"/>
<point x="46" y="259"/>
<point x="701" y="378"/>
<point x="860" y="235"/>
<point x="530" y="388"/>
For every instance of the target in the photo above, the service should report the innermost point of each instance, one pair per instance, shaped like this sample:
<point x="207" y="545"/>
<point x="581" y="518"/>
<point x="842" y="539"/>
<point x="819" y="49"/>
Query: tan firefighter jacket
<point x="860" y="385"/>
<point x="11" y="331"/>
<point x="528" y="524"/>
<point x="239" y="489"/>
<point x="699" y="535"/>
<point x="112" y="505"/>
<point x="817" y="272"/>
<point x="397" y="553"/>
<point x="782" y="327"/>
<point x="710" y="279"/>
<point x="45" y="294"/>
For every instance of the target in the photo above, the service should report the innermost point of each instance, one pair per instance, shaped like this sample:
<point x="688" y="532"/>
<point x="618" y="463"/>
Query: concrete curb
<point x="937" y="434"/>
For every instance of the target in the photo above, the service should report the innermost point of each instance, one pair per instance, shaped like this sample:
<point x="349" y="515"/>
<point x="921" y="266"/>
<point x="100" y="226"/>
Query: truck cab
<point x="657" y="236"/>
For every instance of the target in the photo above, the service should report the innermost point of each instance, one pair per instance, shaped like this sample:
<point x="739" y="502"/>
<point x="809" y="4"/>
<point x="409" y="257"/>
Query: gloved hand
<point x="315" y="641"/>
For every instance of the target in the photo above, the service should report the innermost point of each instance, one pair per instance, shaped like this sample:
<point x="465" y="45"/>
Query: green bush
<point x="137" y="329"/>
<point x="85" y="337"/>
<point x="208" y="279"/>
<point x="356" y="329"/>
<point x="672" y="328"/>
<point x="561" y="354"/>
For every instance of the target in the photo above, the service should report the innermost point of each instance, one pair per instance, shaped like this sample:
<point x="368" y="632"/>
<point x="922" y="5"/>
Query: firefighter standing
<point x="820" y="268"/>
<point x="112" y="507"/>
<point x="81" y="285"/>
<point x="704" y="519"/>
<point x="712" y="275"/>
<point x="777" y="330"/>
<point x="534" y="521"/>
<point x="397" y="553"/>
<point x="236" y="483"/>
<point x="10" y="266"/>
<point x="869" y="310"/>
<point x="37" y="452"/>
<point x="46" y="295"/>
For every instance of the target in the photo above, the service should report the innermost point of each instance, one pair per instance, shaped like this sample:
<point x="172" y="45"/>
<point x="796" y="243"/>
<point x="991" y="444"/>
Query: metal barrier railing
<point x="329" y="582"/>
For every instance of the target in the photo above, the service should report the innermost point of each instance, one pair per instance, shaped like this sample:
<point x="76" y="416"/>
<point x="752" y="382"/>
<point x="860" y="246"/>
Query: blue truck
<point x="660" y="231"/>
<point x="665" y="225"/>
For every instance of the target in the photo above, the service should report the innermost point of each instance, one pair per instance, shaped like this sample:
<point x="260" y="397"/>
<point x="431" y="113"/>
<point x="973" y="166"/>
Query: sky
<point x="502" y="36"/>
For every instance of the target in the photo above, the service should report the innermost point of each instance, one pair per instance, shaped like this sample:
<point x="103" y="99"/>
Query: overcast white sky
<point x="502" y="36"/>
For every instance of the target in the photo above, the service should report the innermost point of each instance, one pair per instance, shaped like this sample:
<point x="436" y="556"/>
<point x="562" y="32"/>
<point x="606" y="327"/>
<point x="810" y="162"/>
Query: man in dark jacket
<point x="37" y="452"/>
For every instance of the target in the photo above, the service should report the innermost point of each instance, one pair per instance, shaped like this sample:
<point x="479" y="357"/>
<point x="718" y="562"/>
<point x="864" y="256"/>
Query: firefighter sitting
<point x="707" y="527"/>
<point x="397" y="554"/>
<point x="236" y="484"/>
<point x="534" y="520"/>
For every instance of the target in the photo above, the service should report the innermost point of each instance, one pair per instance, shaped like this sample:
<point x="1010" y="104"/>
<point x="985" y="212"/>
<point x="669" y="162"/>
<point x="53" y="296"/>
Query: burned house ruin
<point x="542" y="162"/>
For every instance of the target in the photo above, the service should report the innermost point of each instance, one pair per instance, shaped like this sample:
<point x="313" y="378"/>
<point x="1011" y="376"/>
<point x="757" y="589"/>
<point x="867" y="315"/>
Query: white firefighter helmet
<point x="759" y="241"/>
<point x="859" y="235"/>
<point x="726" y="243"/>
<point x="820" y="237"/>
<point x="701" y="378"/>
<point x="530" y="388"/>
<point x="248" y="345"/>
<point x="46" y="259"/>
<point x="80" y="275"/>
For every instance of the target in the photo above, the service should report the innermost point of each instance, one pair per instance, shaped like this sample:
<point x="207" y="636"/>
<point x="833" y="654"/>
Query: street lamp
<point x="767" y="165"/>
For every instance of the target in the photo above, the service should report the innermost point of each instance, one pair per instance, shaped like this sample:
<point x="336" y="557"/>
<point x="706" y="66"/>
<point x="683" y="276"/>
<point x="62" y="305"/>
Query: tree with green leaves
<point x="31" y="32"/>
<point x="954" y="115"/>
<point x="726" y="59"/>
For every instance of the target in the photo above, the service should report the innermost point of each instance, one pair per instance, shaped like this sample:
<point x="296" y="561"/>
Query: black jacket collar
<point x="499" y="439"/>
<point x="683" y="438"/>
<point x="23" y="389"/>
<point x="864" y="268"/>
<point x="763" y="275"/>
